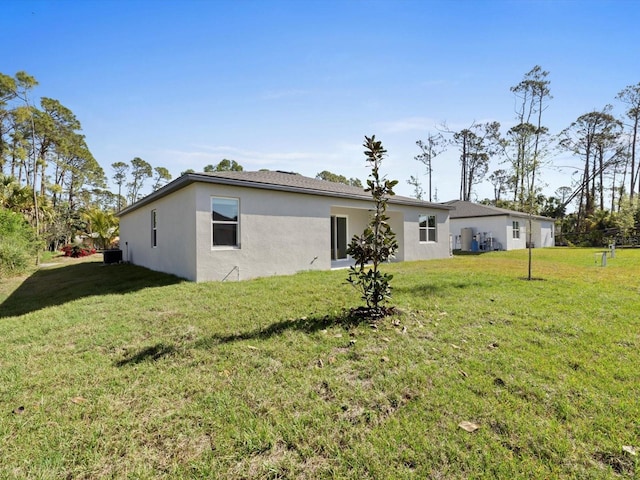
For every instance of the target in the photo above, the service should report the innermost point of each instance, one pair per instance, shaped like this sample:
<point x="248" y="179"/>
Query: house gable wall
<point x="175" y="250"/>
<point x="279" y="232"/>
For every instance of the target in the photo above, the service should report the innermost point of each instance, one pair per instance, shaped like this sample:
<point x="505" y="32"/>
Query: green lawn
<point x="118" y="372"/>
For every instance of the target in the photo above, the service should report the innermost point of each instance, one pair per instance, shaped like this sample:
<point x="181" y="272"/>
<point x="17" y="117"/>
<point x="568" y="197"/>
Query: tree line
<point x="606" y="187"/>
<point x="48" y="175"/>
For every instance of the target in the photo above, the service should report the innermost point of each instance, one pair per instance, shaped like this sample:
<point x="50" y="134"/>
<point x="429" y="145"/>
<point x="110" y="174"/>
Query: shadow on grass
<point x="49" y="287"/>
<point x="304" y="324"/>
<point x="149" y="354"/>
<point x="428" y="289"/>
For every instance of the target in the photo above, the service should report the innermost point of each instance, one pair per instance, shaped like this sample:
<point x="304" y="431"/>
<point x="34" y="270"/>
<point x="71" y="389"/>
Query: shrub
<point x="377" y="244"/>
<point x="77" y="250"/>
<point x="18" y="243"/>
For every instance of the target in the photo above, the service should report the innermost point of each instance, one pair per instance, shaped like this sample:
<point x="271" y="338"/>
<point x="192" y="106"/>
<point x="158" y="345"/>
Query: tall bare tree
<point x="594" y="137"/>
<point x="477" y="145"/>
<point x="630" y="95"/>
<point x="119" y="177"/>
<point x="429" y="149"/>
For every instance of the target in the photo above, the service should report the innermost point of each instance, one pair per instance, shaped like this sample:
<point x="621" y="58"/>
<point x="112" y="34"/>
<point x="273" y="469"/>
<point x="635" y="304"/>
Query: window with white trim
<point x="516" y="229"/>
<point x="428" y="228"/>
<point x="154" y="229"/>
<point x="224" y="222"/>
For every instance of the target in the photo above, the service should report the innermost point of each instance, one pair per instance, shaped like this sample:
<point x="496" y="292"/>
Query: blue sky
<point x="296" y="84"/>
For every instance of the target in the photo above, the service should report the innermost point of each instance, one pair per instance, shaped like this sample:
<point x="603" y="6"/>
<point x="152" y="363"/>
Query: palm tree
<point x="101" y="226"/>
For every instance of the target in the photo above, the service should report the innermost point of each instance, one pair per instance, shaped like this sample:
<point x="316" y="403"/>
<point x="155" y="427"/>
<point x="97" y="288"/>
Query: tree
<point x="551" y="207"/>
<point x="477" y="144"/>
<point x="594" y="137"/>
<point x="226" y="165"/>
<point x="161" y="177"/>
<point x="334" y="177"/>
<point x="630" y="95"/>
<point x="119" y="177"/>
<point x="500" y="181"/>
<point x="140" y="171"/>
<point x="418" y="191"/>
<point x="101" y="226"/>
<point x="377" y="244"/>
<point x="527" y="139"/>
<point x="209" y="168"/>
<point x="430" y="149"/>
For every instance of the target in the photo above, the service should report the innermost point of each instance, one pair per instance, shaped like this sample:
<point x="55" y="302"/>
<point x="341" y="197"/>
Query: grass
<point x="119" y="372"/>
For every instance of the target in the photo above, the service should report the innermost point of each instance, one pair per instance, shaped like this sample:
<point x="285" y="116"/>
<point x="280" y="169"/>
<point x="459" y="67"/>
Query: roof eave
<point x="190" y="178"/>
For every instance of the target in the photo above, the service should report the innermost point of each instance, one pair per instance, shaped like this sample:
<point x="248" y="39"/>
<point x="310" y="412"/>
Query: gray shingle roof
<point x="470" y="210"/>
<point x="276" y="180"/>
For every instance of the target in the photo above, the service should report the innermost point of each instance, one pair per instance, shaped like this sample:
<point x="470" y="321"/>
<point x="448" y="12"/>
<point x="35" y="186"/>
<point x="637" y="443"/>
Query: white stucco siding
<point x="545" y="234"/>
<point x="501" y="229"/>
<point x="413" y="248"/>
<point x="495" y="227"/>
<point x="175" y="226"/>
<point x="280" y="233"/>
<point x="521" y="241"/>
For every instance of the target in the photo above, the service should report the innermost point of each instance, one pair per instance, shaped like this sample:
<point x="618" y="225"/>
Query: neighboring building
<point x="483" y="227"/>
<point x="241" y="225"/>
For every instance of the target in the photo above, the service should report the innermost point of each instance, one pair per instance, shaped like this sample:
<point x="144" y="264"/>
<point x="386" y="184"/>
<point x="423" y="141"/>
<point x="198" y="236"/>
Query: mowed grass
<point x="119" y="372"/>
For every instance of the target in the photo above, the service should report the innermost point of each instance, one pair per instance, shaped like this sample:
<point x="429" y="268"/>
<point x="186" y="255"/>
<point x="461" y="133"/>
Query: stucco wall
<point x="280" y="233"/>
<point x="545" y="234"/>
<point x="501" y="228"/>
<point x="175" y="250"/>
<point x="413" y="248"/>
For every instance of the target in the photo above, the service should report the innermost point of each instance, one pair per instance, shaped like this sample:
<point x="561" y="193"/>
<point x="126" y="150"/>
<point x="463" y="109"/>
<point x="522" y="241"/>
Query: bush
<point x="18" y="243"/>
<point x="77" y="250"/>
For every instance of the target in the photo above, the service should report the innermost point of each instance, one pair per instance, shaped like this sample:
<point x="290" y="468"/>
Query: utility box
<point x="112" y="256"/>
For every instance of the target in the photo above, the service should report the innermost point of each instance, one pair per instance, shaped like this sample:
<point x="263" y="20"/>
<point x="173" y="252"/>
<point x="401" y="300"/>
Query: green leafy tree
<point x="377" y="244"/>
<point x="140" y="171"/>
<point x="101" y="226"/>
<point x="226" y="165"/>
<point x="334" y="177"/>
<point x="160" y="177"/>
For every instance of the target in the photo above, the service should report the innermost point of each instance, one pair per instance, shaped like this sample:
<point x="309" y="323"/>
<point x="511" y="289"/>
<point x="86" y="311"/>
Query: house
<point x="241" y="225"/>
<point x="483" y="227"/>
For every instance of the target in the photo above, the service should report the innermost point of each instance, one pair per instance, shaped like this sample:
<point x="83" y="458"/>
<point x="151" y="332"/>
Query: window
<point x="224" y="214"/>
<point x="154" y="229"/>
<point x="516" y="229"/>
<point x="427" y="226"/>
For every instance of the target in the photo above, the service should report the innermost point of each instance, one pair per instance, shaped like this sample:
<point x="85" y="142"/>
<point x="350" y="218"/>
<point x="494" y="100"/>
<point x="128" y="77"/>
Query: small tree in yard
<point x="377" y="244"/>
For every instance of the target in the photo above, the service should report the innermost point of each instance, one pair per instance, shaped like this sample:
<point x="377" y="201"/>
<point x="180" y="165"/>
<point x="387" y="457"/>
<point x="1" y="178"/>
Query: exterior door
<point x="338" y="237"/>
